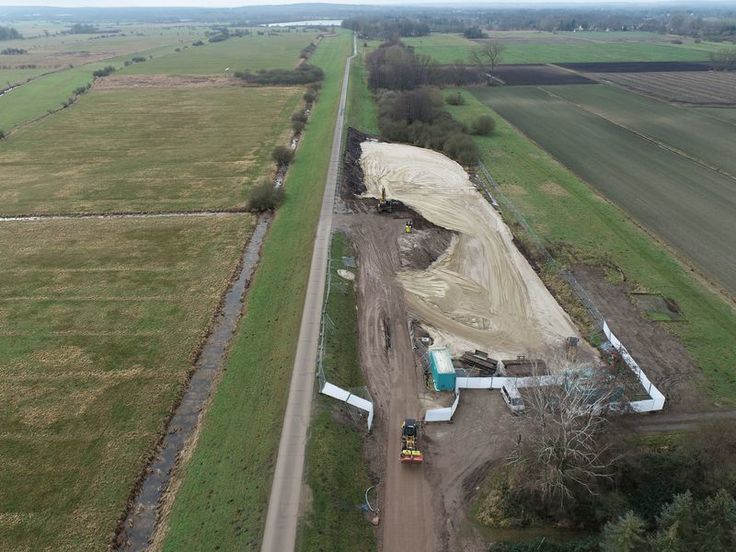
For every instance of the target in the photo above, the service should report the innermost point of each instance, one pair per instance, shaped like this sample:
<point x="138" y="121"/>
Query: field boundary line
<point x="643" y="136"/>
<point x="124" y="215"/>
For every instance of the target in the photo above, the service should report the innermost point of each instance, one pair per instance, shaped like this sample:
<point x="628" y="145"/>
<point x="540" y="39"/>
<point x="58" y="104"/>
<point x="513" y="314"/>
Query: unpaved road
<point x="284" y="504"/>
<point x="410" y="507"/>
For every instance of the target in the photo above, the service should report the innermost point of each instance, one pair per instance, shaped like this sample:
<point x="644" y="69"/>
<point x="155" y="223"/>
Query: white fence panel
<point x="353" y="400"/>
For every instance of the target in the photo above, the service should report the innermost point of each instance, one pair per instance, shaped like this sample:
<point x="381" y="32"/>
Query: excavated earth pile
<point x="481" y="293"/>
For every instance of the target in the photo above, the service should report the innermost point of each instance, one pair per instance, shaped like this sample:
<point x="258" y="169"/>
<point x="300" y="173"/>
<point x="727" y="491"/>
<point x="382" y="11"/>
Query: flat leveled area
<point x="563" y="47"/>
<point x="99" y="323"/>
<point x="689" y="206"/>
<point x="695" y="88"/>
<point x="695" y="134"/>
<point x="145" y="150"/>
<point x="278" y="51"/>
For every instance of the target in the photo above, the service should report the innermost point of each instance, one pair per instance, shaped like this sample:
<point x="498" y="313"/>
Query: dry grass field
<point x="167" y="148"/>
<point x="99" y="321"/>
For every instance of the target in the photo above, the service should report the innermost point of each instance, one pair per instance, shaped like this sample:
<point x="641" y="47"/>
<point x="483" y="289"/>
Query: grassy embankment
<point x="223" y="498"/>
<point x="362" y="110"/>
<point x="560" y="48"/>
<point x="185" y="149"/>
<point x="336" y="473"/>
<point x="99" y="323"/>
<point x="564" y="210"/>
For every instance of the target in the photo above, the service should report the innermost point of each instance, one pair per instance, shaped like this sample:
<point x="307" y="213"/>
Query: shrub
<point x="455" y="99"/>
<point x="463" y="149"/>
<point x="299" y="116"/>
<point x="282" y="155"/>
<point x="2" y="135"/>
<point x="298" y="126"/>
<point x="264" y="197"/>
<point x="198" y="43"/>
<point x="310" y="96"/>
<point x="484" y="125"/>
<point x="303" y="74"/>
<point x="105" y="71"/>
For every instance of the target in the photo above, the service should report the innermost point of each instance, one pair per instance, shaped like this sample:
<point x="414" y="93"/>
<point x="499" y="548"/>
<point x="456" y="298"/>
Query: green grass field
<point x="222" y="501"/>
<point x="99" y="321"/>
<point x="146" y="149"/>
<point x="686" y="130"/>
<point x="560" y="48"/>
<point x="688" y="206"/>
<point x="564" y="210"/>
<point x="335" y="471"/>
<point x="280" y="51"/>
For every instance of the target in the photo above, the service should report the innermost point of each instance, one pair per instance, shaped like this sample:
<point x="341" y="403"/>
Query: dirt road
<point x="284" y="504"/>
<point x="410" y="508"/>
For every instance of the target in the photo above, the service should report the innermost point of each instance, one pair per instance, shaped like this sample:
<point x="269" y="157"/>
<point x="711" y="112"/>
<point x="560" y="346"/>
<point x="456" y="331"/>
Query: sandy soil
<point x="482" y="293"/>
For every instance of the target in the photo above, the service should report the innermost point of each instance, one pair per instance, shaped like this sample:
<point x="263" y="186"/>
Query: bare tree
<point x="560" y="452"/>
<point x="488" y="55"/>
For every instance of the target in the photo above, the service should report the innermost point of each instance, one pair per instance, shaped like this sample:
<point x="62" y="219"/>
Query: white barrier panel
<point x="345" y="396"/>
<point x="656" y="400"/>
<point x="442" y="414"/>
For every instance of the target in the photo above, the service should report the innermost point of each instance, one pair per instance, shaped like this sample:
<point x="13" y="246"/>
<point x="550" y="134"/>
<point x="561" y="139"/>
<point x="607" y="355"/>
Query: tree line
<point x="411" y="106"/>
<point x="384" y="27"/>
<point x="9" y="33"/>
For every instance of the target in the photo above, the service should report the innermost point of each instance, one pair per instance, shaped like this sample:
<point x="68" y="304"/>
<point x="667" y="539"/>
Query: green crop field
<point x="223" y="497"/>
<point x="559" y="48"/>
<point x="278" y="51"/>
<point x="145" y="149"/>
<point x="565" y="210"/>
<point x="99" y="322"/>
<point x="686" y="130"/>
<point x="725" y="114"/>
<point x="685" y="204"/>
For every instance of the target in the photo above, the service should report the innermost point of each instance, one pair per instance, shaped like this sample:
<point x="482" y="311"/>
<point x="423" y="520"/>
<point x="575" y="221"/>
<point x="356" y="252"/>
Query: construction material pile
<point x="481" y="293"/>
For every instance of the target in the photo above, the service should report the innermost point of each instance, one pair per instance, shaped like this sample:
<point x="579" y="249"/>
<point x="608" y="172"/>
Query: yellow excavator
<point x="410" y="453"/>
<point x="387" y="205"/>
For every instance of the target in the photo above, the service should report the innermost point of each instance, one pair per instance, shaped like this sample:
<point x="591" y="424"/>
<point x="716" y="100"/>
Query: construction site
<point x="448" y="303"/>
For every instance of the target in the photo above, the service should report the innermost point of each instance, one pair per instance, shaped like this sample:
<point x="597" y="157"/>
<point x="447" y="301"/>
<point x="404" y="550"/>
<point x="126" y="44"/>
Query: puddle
<point x="139" y="526"/>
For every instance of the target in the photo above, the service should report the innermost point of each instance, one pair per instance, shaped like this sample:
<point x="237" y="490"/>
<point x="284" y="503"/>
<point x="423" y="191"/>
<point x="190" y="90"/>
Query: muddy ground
<point x="659" y="353"/>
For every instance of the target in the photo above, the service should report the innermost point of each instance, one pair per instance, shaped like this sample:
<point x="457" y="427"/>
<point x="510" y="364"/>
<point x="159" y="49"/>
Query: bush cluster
<point x="104" y="72"/>
<point x="13" y="52"/>
<point x="264" y="196"/>
<point x="304" y="74"/>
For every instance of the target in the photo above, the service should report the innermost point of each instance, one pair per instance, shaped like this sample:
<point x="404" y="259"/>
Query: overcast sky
<point x="237" y="3"/>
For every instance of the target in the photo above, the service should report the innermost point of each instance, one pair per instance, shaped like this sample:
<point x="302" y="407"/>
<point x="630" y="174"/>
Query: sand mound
<point x="482" y="292"/>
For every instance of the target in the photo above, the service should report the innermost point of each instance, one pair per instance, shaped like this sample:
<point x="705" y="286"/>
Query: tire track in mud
<point x="140" y="522"/>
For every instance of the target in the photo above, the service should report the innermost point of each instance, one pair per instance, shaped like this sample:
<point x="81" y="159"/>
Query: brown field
<point x="695" y="88"/>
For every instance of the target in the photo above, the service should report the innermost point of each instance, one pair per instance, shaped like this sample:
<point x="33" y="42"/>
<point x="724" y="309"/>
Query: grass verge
<point x="222" y="502"/>
<point x="569" y="216"/>
<point x="362" y="110"/>
<point x="336" y="473"/>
